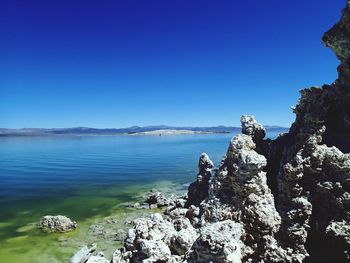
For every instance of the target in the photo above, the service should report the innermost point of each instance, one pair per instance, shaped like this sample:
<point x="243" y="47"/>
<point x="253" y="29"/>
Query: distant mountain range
<point x="130" y="130"/>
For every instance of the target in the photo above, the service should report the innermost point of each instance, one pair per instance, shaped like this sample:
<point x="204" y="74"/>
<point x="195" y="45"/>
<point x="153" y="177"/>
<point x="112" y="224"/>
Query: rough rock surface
<point x="198" y="190"/>
<point x="234" y="220"/>
<point x="159" y="199"/>
<point x="218" y="242"/>
<point x="83" y="254"/>
<point x="57" y="223"/>
<point x="281" y="200"/>
<point x="252" y="128"/>
<point x="88" y="255"/>
<point x="310" y="165"/>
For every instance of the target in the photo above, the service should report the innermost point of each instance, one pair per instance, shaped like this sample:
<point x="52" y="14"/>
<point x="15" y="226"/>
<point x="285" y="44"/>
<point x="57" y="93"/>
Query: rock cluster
<point x="154" y="199"/>
<point x="281" y="200"/>
<point x="57" y="223"/>
<point x="158" y="200"/>
<point x="228" y="217"/>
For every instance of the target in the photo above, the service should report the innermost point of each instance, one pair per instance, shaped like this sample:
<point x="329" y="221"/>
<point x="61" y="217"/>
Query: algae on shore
<point x="22" y="241"/>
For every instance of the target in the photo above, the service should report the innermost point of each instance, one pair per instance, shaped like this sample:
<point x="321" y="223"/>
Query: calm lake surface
<point x="85" y="178"/>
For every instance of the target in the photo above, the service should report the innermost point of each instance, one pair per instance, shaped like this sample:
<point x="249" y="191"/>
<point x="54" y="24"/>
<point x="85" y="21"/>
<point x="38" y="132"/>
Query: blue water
<point x="37" y="166"/>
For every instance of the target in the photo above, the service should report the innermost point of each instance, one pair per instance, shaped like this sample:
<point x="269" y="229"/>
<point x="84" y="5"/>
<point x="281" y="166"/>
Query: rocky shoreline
<point x="282" y="200"/>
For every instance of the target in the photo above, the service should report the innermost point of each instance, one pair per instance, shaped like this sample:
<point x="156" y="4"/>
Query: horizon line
<point x="145" y="126"/>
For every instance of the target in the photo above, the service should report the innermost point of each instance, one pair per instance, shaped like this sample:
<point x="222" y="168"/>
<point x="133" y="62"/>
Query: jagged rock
<point x="183" y="240"/>
<point x="338" y="235"/>
<point x="180" y="202"/>
<point x="57" y="223"/>
<point x="121" y="256"/>
<point x="83" y="254"/>
<point x="198" y="190"/>
<point x="151" y="236"/>
<point x="338" y="39"/>
<point x="214" y="230"/>
<point x="177" y="213"/>
<point x="218" y="242"/>
<point x="241" y="168"/>
<point x="158" y="199"/>
<point x="252" y="128"/>
<point x="154" y="250"/>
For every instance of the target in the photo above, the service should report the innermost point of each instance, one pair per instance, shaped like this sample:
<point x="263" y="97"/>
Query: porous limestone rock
<point x="308" y="168"/>
<point x="157" y="239"/>
<point x="57" y="223"/>
<point x="226" y="226"/>
<point x="252" y="128"/>
<point x="338" y="236"/>
<point x="159" y="199"/>
<point x="183" y="240"/>
<point x="198" y="190"/>
<point x="218" y="242"/>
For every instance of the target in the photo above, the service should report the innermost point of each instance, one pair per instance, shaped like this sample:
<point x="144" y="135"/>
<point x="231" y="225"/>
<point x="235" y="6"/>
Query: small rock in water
<point x="62" y="239"/>
<point x="112" y="220"/>
<point x="97" y="230"/>
<point x="57" y="223"/>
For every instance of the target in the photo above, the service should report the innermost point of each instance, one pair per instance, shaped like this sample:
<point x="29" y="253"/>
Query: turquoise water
<point x="86" y="178"/>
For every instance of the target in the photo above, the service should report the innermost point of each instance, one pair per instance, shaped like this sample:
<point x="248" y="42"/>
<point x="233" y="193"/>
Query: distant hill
<point x="118" y="131"/>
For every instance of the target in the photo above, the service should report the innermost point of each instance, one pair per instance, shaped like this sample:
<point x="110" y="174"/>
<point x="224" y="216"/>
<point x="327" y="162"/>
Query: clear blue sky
<point x="114" y="63"/>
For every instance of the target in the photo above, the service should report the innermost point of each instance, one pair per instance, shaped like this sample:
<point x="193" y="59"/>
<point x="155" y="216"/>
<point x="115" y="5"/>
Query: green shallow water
<point x="22" y="241"/>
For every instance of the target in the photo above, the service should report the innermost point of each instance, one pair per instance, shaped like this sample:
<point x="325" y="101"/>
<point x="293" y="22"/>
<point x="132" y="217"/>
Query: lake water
<point x="86" y="178"/>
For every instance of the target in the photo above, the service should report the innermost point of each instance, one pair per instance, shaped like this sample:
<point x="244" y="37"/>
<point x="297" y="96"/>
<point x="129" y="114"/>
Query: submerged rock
<point x="88" y="255"/>
<point x="83" y="254"/>
<point x="57" y="223"/>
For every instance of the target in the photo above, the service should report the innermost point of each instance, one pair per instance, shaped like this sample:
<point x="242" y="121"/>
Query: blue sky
<point x="117" y="63"/>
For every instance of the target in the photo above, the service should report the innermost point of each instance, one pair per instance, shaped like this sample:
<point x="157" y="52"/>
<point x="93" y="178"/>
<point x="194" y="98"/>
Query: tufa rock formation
<point x="236" y="221"/>
<point x="57" y="224"/>
<point x="198" y="190"/>
<point x="282" y="200"/>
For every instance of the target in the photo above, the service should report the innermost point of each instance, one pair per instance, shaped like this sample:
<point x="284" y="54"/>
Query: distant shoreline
<point x="173" y="132"/>
<point x="150" y="133"/>
<point x="131" y="131"/>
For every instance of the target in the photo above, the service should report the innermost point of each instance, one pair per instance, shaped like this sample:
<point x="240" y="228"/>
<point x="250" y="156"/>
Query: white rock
<point x="83" y="254"/>
<point x="57" y="223"/>
<point x="219" y="242"/>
